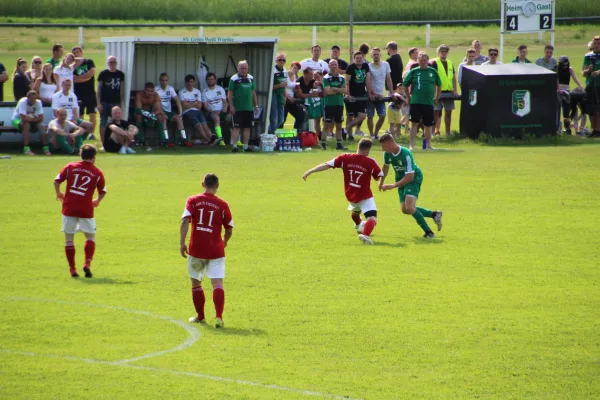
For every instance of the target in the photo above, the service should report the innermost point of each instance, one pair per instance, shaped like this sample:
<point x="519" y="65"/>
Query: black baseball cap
<point x="335" y="47"/>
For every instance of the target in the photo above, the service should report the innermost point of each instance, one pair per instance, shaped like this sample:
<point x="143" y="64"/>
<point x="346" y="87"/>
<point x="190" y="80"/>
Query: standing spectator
<point x="315" y="63"/>
<point x="413" y="54"/>
<point x="364" y="49"/>
<point x="479" y="58"/>
<point x="522" y="55"/>
<point x="548" y="61"/>
<point x="46" y="85"/>
<point x="27" y="118"/>
<point x="36" y="69"/>
<point x="304" y="89"/>
<point x="564" y="73"/>
<point x="3" y="78"/>
<point x="110" y="92"/>
<point x="424" y="83"/>
<point x="447" y="74"/>
<point x="78" y="203"/>
<point x="280" y="77"/>
<point x="21" y="82"/>
<point x="493" y="54"/>
<point x="335" y="55"/>
<point x="591" y="71"/>
<point x="359" y="85"/>
<point x="167" y="94"/>
<point x="334" y="89"/>
<point x="396" y="65"/>
<point x="380" y="79"/>
<point x="68" y="101"/>
<point x="191" y="103"/>
<point x="85" y="87"/>
<point x="66" y="69"/>
<point x="209" y="216"/>
<point x="120" y="134"/>
<point x="471" y="54"/>
<point x="242" y="103"/>
<point x="148" y="113"/>
<point x="291" y="107"/>
<point x="57" y="53"/>
<point x="62" y="132"/>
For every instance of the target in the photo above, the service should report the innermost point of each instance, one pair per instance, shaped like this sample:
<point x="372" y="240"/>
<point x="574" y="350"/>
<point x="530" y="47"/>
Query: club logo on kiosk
<point x="472" y="97"/>
<point x="521" y="102"/>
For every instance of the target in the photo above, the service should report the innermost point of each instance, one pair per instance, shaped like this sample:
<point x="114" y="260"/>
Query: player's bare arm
<point x="183" y="230"/>
<point x="438" y="92"/>
<point x="96" y="201"/>
<point x="408" y="178"/>
<point x="318" y="168"/>
<point x="227" y="236"/>
<point x="78" y="132"/>
<point x="60" y="196"/>
<point x="385" y="169"/>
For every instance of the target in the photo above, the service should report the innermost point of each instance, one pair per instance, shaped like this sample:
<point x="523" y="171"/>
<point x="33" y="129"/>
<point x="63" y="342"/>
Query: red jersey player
<point x="358" y="169"/>
<point x="78" y="204"/>
<point x="208" y="215"/>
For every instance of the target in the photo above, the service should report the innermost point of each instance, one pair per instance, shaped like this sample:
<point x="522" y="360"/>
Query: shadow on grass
<point x="387" y="244"/>
<point x="422" y="240"/>
<point x="105" y="281"/>
<point x="234" y="331"/>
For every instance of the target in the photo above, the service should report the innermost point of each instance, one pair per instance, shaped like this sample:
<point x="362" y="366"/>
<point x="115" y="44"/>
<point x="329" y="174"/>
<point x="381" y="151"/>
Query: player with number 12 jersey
<point x="358" y="169"/>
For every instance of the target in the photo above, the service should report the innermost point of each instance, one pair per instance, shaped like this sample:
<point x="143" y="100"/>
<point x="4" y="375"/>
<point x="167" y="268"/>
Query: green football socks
<point x="218" y="132"/>
<point x="426" y="213"/>
<point x="421" y="221"/>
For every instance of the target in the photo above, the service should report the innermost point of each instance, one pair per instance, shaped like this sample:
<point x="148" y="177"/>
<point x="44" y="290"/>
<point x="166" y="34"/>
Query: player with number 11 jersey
<point x="358" y="169"/>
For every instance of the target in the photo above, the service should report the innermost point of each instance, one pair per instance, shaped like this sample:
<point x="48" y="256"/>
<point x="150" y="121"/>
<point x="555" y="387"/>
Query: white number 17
<point x="356" y="174"/>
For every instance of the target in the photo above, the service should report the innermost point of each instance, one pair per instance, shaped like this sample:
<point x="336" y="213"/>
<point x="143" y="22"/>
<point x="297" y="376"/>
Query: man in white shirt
<point x="67" y="100"/>
<point x="315" y="63"/>
<point x="168" y="93"/>
<point x="215" y="101"/>
<point x="61" y="132"/>
<point x="191" y="102"/>
<point x="471" y="55"/>
<point x="29" y="117"/>
<point x="66" y="69"/>
<point x="493" y="54"/>
<point x="380" y="79"/>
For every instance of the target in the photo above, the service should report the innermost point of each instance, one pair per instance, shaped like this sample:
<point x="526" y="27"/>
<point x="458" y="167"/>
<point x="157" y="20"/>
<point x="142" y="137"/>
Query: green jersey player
<point x="408" y="181"/>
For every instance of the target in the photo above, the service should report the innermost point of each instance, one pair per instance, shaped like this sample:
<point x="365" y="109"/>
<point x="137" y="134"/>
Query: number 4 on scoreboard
<point x="512" y="23"/>
<point x="545" y="21"/>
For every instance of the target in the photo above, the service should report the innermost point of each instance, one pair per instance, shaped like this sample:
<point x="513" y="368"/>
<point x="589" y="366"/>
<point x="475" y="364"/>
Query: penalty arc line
<point x="194" y="336"/>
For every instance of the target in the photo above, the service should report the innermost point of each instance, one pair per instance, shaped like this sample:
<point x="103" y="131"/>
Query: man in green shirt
<point x="425" y="89"/>
<point x="408" y="181"/>
<point x="334" y="89"/>
<point x="242" y="100"/>
<point x="280" y="80"/>
<point x="522" y="55"/>
<point x="57" y="53"/>
<point x="591" y="71"/>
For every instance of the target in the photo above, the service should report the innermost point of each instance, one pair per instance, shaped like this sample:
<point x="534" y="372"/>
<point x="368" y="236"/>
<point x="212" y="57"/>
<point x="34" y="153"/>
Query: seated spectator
<point x="191" y="102"/>
<point x="67" y="100"/>
<point x="304" y="87"/>
<point x="66" y="69"/>
<point x="522" y="55"/>
<point x="479" y="58"/>
<point x="62" y="133"/>
<point x="291" y="107"/>
<point x="413" y="54"/>
<point x="27" y="118"/>
<point x="57" y="53"/>
<point x="167" y="94"/>
<point x="548" y="61"/>
<point x="315" y="63"/>
<point x="493" y="54"/>
<point x="215" y="101"/>
<point x="3" y="78"/>
<point x="46" y="85"/>
<point x="119" y="134"/>
<point x="148" y="113"/>
<point x="21" y="83"/>
<point x="471" y="54"/>
<point x="36" y="69"/>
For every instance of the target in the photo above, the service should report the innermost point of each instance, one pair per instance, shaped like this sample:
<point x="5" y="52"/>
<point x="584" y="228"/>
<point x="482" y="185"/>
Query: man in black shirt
<point x="119" y="134"/>
<point x="395" y="62"/>
<point x="85" y="90"/>
<point x="359" y="85"/>
<point x="335" y="55"/>
<point x="110" y="92"/>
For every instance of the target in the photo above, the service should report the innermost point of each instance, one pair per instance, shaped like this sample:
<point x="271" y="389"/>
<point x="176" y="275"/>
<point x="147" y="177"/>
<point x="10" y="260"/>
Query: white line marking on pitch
<point x="194" y="336"/>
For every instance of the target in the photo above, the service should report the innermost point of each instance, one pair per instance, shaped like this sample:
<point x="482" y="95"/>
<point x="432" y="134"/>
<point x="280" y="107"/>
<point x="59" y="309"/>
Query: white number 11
<point x="210" y="218"/>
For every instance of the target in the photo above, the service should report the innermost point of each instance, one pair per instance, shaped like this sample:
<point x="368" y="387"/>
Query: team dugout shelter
<point x="143" y="59"/>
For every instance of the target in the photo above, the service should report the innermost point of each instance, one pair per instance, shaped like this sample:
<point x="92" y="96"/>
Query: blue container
<point x="424" y="144"/>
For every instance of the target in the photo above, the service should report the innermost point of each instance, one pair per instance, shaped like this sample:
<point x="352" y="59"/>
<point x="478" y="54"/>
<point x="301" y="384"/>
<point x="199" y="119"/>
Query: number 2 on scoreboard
<point x="545" y="21"/>
<point x="512" y="23"/>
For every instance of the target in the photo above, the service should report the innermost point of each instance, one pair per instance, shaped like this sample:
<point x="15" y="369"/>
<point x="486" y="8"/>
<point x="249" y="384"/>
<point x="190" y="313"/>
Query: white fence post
<point x="201" y="32"/>
<point x="81" y="37"/>
<point x="427" y="35"/>
<point x="314" y="35"/>
<point x="541" y="36"/>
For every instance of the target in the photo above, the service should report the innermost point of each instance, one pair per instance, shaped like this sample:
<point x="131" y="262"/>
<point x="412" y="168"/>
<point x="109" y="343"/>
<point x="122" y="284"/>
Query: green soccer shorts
<point x="412" y="189"/>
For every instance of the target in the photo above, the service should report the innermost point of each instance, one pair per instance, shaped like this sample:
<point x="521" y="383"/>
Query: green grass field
<point x="503" y="304"/>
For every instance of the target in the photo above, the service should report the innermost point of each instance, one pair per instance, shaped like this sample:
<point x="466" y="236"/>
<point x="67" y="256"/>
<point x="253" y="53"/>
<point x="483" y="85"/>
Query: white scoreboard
<point x="527" y="16"/>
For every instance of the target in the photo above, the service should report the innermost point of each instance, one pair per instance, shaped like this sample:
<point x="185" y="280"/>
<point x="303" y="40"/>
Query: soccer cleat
<point x="122" y="150"/>
<point x="248" y="150"/>
<point x="47" y="152"/>
<point x="323" y="146"/>
<point x="340" y="146"/>
<point x="73" y="273"/>
<point x="163" y="143"/>
<point x="239" y="143"/>
<point x="365" y="239"/>
<point x="188" y="144"/>
<point x="196" y="320"/>
<point x="87" y="271"/>
<point x="92" y="137"/>
<point x="358" y="133"/>
<point x="129" y="150"/>
<point x="219" y="323"/>
<point x="429" y="235"/>
<point x="344" y="133"/>
<point x="221" y="142"/>
<point x="235" y="149"/>
<point x="28" y="152"/>
<point x="351" y="138"/>
<point x="171" y="144"/>
<point x="437" y="218"/>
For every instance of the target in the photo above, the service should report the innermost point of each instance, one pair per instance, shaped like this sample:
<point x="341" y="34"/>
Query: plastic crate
<point x="268" y="142"/>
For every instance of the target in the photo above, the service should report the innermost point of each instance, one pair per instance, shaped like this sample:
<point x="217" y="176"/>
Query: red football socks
<point x="356" y="218"/>
<point x="89" y="248"/>
<point x="369" y="226"/>
<point x="199" y="300"/>
<point x="70" y="253"/>
<point x="219" y="300"/>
